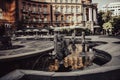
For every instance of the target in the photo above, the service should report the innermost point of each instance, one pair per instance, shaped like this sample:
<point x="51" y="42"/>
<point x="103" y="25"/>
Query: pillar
<point x="84" y="14"/>
<point x="90" y="14"/>
<point x="94" y="16"/>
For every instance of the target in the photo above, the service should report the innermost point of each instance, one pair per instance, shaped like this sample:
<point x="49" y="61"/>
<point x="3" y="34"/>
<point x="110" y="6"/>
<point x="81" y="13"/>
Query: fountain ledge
<point x="42" y="75"/>
<point x="28" y="54"/>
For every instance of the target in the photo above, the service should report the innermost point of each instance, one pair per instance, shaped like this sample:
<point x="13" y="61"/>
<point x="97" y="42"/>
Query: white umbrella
<point x="19" y="31"/>
<point x="36" y="30"/>
<point x="28" y="30"/>
<point x="44" y="30"/>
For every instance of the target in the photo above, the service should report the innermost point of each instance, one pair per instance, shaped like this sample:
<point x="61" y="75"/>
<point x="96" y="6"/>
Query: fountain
<point x="5" y="39"/>
<point x="70" y="59"/>
<point x="69" y="55"/>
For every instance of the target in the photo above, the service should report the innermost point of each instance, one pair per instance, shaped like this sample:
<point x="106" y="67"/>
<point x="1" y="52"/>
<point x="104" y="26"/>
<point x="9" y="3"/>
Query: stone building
<point x="56" y="13"/>
<point x="113" y="7"/>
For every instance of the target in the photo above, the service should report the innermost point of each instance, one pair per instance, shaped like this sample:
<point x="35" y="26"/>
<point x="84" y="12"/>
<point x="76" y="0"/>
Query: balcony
<point x="67" y="21"/>
<point x="34" y="12"/>
<point x="68" y="13"/>
<point x="46" y="22"/>
<point x="78" y="13"/>
<point x="57" y="13"/>
<point x="25" y="11"/>
<point x="46" y="13"/>
<point x="57" y="21"/>
<point x="39" y="12"/>
<point x="78" y="22"/>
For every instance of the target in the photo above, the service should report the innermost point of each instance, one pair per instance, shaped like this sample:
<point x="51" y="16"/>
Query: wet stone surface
<point x="28" y="46"/>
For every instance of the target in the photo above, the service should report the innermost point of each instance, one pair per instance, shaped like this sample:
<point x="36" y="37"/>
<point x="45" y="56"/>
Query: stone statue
<point x="61" y="48"/>
<point x="5" y="40"/>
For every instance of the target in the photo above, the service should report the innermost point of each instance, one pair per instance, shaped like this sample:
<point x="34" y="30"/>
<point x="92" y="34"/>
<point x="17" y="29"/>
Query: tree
<point x="107" y="16"/>
<point x="100" y="20"/>
<point x="116" y="24"/>
<point x="108" y="27"/>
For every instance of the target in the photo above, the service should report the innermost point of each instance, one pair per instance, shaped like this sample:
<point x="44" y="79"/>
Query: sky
<point x="103" y="2"/>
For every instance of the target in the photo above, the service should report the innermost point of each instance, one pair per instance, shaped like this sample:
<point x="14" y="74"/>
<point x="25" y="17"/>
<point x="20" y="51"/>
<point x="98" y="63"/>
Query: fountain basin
<point x="103" y="73"/>
<point x="27" y="60"/>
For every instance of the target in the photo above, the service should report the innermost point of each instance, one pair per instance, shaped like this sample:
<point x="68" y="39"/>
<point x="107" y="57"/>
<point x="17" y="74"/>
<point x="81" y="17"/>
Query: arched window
<point x="1" y="14"/>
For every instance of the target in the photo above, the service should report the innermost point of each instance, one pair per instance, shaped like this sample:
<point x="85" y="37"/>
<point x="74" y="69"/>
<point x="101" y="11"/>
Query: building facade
<point x="56" y="13"/>
<point x="113" y="7"/>
<point x="7" y="11"/>
<point x="33" y="14"/>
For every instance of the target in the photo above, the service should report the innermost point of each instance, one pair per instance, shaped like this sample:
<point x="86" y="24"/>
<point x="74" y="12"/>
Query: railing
<point x="45" y="12"/>
<point x="68" y="13"/>
<point x="56" y="12"/>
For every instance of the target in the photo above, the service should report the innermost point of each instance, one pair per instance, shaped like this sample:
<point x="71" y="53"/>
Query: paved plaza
<point x="112" y="47"/>
<point x="29" y="46"/>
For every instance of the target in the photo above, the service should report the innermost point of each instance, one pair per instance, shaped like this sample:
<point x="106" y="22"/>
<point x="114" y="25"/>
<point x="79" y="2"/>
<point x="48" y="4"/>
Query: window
<point x="62" y="18"/>
<point x="56" y="0"/>
<point x="76" y="1"/>
<point x="45" y="18"/>
<point x="77" y="9"/>
<point x="71" y="1"/>
<point x="39" y="8"/>
<point x="56" y="18"/>
<point x="56" y="8"/>
<point x="72" y="9"/>
<point x="1" y="14"/>
<point x="29" y="7"/>
<point x="66" y="9"/>
<point x="61" y="8"/>
<point x="66" y="1"/>
<point x="34" y="8"/>
<point x="45" y="9"/>
<point x="61" y="1"/>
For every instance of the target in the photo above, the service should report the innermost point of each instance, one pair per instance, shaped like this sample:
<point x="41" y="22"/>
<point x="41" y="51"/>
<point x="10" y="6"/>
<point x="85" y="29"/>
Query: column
<point x="94" y="15"/>
<point x="84" y="14"/>
<point x="90" y="14"/>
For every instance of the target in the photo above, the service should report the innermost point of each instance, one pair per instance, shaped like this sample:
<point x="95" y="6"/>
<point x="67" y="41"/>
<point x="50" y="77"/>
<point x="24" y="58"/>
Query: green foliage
<point x="107" y="16"/>
<point x="108" y="22"/>
<point x="116" y="24"/>
<point x="107" y="26"/>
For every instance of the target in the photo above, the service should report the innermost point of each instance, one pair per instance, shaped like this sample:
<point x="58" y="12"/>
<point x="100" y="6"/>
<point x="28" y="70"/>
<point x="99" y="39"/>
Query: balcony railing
<point x="57" y="21"/>
<point x="67" y="21"/>
<point x="57" y="13"/>
<point x="78" y="13"/>
<point x="24" y="10"/>
<point x="45" y="12"/>
<point x="46" y="21"/>
<point x="68" y="13"/>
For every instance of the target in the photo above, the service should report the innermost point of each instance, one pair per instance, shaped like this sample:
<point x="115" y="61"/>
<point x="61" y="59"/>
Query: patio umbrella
<point x="36" y="31"/>
<point x="44" y="30"/>
<point x="28" y="31"/>
<point x="19" y="31"/>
